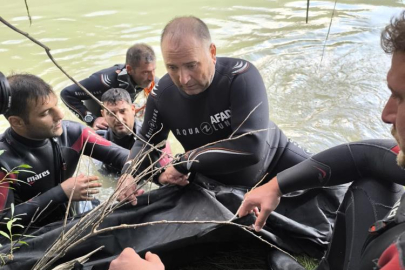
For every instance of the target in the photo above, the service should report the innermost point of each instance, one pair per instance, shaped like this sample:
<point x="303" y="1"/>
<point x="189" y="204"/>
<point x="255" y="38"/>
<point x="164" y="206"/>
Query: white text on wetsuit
<point x="218" y="121"/>
<point x="31" y="180"/>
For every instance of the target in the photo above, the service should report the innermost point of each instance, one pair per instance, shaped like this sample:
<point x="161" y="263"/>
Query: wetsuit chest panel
<point x="201" y="119"/>
<point x="42" y="177"/>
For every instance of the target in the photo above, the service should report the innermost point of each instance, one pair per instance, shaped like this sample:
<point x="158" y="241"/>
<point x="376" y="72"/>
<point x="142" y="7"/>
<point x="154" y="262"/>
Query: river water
<point x="317" y="103"/>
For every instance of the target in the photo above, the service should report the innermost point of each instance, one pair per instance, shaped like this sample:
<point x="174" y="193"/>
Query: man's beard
<point x="401" y="155"/>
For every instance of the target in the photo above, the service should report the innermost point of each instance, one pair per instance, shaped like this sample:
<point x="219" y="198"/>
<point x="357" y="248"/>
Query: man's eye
<point x="191" y="66"/>
<point x="396" y="97"/>
<point x="172" y="68"/>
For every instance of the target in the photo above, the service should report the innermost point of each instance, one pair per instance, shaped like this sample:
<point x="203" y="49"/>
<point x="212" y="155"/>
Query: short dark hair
<point x="26" y="87"/>
<point x="184" y="26"/>
<point x="393" y="36"/>
<point x="139" y="52"/>
<point x="115" y="95"/>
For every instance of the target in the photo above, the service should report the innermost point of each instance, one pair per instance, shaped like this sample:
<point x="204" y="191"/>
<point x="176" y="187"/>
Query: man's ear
<point x="213" y="52"/>
<point x="129" y="68"/>
<point x="102" y="112"/>
<point x="133" y="108"/>
<point x="16" y="122"/>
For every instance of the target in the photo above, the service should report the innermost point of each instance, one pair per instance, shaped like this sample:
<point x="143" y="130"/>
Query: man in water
<point x="137" y="77"/>
<point x="118" y="101"/>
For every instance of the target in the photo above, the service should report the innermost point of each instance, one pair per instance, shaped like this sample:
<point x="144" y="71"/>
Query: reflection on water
<point x="316" y="104"/>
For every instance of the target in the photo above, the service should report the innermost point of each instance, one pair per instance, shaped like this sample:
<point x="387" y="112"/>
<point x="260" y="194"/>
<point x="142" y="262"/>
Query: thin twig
<point x="246" y="118"/>
<point x="255" y="186"/>
<point x="28" y="12"/>
<point x="327" y="35"/>
<point x="306" y="19"/>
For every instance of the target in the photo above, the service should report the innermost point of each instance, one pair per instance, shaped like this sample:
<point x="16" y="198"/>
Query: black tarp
<point x="303" y="224"/>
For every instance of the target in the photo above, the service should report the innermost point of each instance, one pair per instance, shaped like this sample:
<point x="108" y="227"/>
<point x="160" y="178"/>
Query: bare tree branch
<point x="28" y="12"/>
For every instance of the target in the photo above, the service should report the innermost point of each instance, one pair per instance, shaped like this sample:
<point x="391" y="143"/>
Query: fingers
<point x="256" y="211"/>
<point x="261" y="219"/>
<point x="153" y="258"/>
<point x="245" y="208"/>
<point x="180" y="180"/>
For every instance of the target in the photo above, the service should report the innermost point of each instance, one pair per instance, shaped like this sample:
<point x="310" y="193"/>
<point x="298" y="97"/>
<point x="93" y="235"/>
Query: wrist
<point x="179" y="165"/>
<point x="273" y="184"/>
<point x="89" y="119"/>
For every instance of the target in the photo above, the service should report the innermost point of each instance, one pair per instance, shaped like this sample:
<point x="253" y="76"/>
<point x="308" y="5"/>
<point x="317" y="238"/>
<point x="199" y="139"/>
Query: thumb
<point x="153" y="258"/>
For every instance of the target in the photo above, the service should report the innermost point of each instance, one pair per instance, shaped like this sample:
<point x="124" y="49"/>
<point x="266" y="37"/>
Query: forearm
<point x="40" y="205"/>
<point x="343" y="164"/>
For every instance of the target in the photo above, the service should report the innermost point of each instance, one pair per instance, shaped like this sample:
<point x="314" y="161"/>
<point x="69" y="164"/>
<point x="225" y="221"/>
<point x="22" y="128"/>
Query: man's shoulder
<point x="115" y="69"/>
<point x="164" y="84"/>
<point x="71" y="127"/>
<point x="233" y="66"/>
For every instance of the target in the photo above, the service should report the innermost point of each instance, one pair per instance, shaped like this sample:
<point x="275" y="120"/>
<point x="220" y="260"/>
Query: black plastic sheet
<point x="302" y="224"/>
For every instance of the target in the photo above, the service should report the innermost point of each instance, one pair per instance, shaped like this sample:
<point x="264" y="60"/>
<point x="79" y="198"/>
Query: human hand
<point x="82" y="186"/>
<point x="100" y="123"/>
<point x="173" y="176"/>
<point x="128" y="189"/>
<point x="130" y="260"/>
<point x="266" y="197"/>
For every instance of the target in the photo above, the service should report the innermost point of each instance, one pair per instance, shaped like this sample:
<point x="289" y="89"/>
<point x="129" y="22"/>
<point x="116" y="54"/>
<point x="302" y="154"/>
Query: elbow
<point x="64" y="94"/>
<point x="258" y="150"/>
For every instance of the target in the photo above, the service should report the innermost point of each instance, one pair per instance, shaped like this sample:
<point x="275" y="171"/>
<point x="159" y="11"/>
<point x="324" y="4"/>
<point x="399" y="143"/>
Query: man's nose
<point x="184" y="76"/>
<point x="389" y="112"/>
<point x="151" y="75"/>
<point x="59" y="114"/>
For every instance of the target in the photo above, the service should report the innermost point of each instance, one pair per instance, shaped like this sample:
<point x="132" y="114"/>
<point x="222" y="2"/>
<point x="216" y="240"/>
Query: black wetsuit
<point x="126" y="141"/>
<point x="52" y="161"/>
<point x="98" y="83"/>
<point x="217" y="113"/>
<point x="372" y="167"/>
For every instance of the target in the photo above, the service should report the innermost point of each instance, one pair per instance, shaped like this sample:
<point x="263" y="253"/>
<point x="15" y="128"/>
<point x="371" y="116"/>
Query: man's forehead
<point x="146" y="66"/>
<point x="117" y="104"/>
<point x="38" y="103"/>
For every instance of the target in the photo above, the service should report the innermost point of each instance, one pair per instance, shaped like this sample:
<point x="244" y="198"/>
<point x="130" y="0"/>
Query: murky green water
<point x="317" y="104"/>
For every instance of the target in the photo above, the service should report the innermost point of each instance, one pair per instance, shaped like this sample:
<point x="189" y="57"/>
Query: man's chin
<point x="401" y="159"/>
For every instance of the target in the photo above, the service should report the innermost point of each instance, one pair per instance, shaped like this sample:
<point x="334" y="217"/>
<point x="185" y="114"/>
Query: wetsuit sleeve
<point x="26" y="210"/>
<point x="96" y="146"/>
<point x="152" y="122"/>
<point x="343" y="164"/>
<point x="247" y="91"/>
<point x="97" y="84"/>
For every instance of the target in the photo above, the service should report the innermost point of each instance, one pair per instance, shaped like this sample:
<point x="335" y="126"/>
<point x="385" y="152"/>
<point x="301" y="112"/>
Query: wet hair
<point x="182" y="27"/>
<point x="138" y="53"/>
<point x="115" y="95"/>
<point x="393" y="36"/>
<point x="26" y="88"/>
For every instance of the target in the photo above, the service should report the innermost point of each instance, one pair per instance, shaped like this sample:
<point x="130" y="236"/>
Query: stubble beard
<point x="401" y="155"/>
